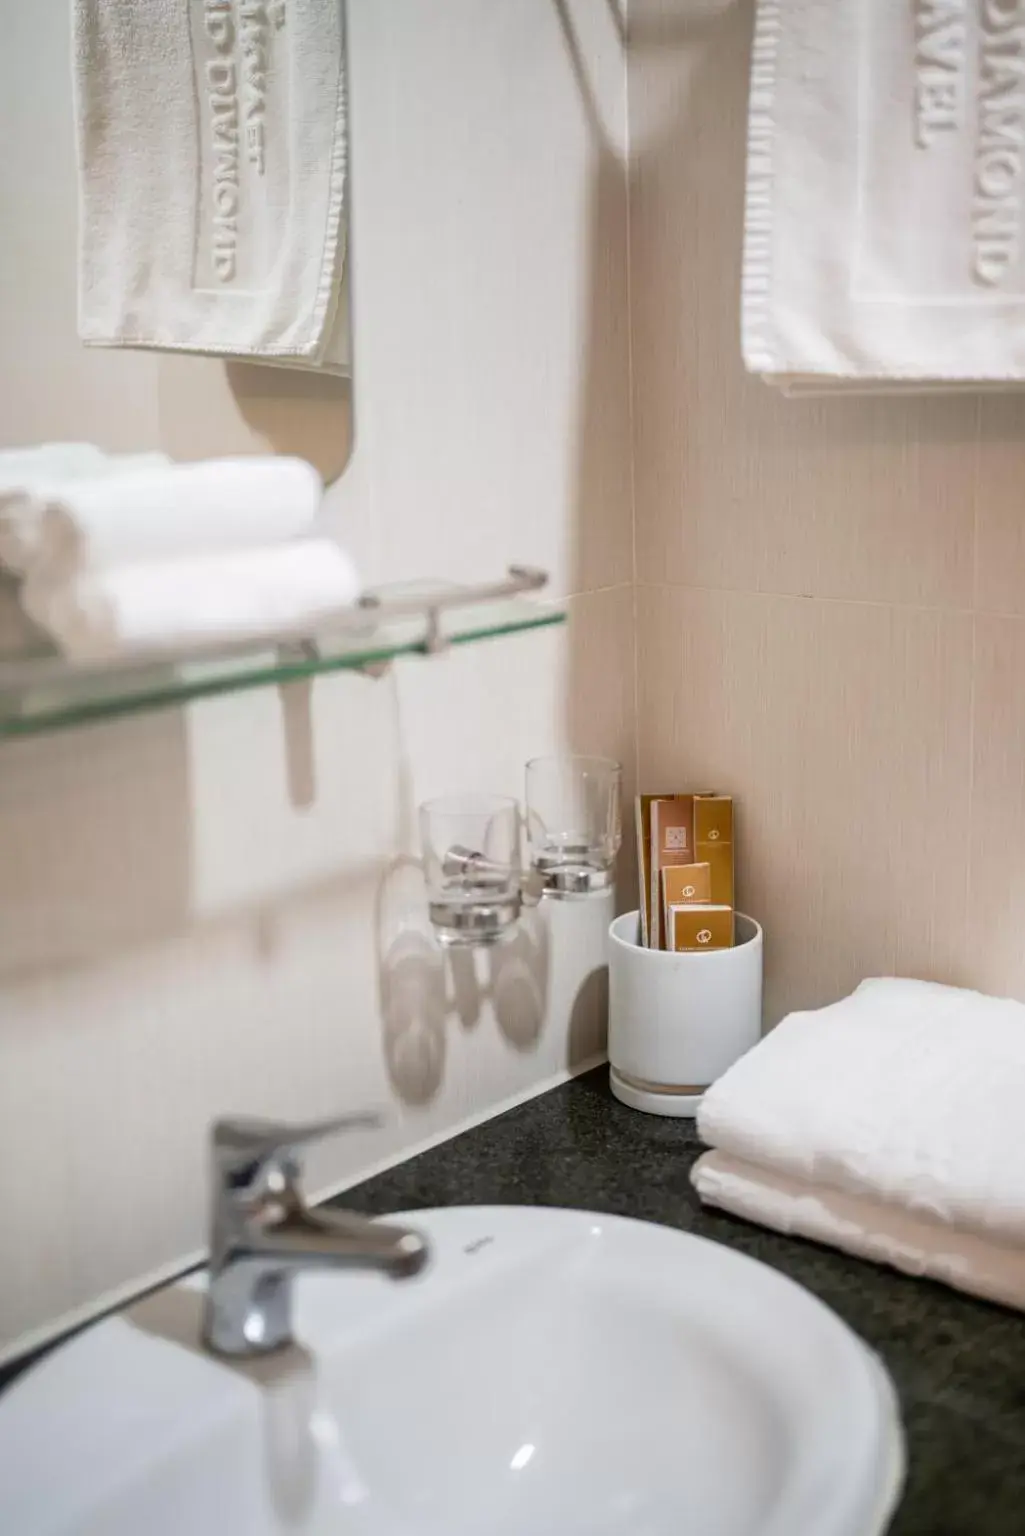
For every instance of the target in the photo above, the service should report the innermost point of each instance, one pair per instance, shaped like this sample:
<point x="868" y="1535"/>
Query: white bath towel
<point x="48" y="461"/>
<point x="177" y="605"/>
<point x="885" y="187"/>
<point x="26" y="494"/>
<point x="906" y="1093"/>
<point x="156" y="512"/>
<point x="212" y="177"/>
<point x="886" y="1234"/>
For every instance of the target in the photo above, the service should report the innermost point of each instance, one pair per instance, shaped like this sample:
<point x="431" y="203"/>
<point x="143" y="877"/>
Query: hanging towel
<point x="171" y="606"/>
<point x="212" y="178"/>
<point x="869" y="1229"/>
<point x="884" y="227"/>
<point x="157" y="512"/>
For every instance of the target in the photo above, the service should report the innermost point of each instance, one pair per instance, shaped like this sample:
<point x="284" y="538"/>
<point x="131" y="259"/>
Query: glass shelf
<point x="41" y="691"/>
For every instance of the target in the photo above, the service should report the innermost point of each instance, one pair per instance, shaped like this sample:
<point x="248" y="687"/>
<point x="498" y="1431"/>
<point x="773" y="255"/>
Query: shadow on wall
<point x="209" y="409"/>
<point x="76" y="809"/>
<point x="424" y="989"/>
<point x="588" y="1018"/>
<point x="604" y="488"/>
<point x="687" y="191"/>
<point x="94" y="827"/>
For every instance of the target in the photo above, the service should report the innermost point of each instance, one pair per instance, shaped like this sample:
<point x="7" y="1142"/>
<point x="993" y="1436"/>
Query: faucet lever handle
<point x="240" y="1141"/>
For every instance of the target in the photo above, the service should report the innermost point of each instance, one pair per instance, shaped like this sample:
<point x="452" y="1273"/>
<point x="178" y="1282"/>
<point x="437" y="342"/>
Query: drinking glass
<point x="574" y="822"/>
<point x="471" y="851"/>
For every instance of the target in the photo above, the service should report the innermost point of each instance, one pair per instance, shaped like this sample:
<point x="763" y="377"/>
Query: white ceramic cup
<point x="677" y="1021"/>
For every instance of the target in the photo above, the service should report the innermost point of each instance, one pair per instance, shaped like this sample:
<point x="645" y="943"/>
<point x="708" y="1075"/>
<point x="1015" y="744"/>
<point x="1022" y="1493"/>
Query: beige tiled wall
<point x="830" y="607"/>
<point x="200" y="911"/>
<point x="831" y="593"/>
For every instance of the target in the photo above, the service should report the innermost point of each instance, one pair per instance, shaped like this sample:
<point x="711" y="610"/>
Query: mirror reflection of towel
<point x="212" y="155"/>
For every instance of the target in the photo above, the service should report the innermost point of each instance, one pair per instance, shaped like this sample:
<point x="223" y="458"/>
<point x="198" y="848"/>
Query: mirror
<point x="191" y="212"/>
<point x="259" y="149"/>
<point x="152" y="254"/>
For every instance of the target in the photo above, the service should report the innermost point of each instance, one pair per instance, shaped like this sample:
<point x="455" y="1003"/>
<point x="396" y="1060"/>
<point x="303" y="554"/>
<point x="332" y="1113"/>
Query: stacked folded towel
<point x="888" y="1125"/>
<point x="134" y="554"/>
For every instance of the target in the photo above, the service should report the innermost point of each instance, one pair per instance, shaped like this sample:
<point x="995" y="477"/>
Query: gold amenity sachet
<point x="689" y="832"/>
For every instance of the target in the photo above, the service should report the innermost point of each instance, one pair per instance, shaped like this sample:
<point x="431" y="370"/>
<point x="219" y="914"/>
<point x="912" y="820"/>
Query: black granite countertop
<point x="959" y="1364"/>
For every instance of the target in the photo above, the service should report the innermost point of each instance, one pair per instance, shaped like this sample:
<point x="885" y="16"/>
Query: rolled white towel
<point x="26" y="474"/>
<point x="157" y="511"/>
<point x="26" y="488"/>
<point x="48" y="461"/>
<point x="166" y="606"/>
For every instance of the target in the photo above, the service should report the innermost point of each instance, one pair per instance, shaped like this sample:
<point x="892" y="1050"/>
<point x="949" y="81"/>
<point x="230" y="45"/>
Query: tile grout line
<point x="572" y="597"/>
<point x="956" y="611"/>
<point x="976" y="481"/>
<point x="631" y="413"/>
<point x="970" y="808"/>
<point x="973" y="653"/>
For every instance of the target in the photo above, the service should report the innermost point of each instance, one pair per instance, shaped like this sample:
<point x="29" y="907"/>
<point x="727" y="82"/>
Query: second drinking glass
<point x="471" y="848"/>
<point x="574" y="822"/>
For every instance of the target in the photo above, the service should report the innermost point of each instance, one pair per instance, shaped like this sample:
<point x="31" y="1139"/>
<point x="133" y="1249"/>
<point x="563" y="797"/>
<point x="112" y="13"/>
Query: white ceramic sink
<point x="549" y="1372"/>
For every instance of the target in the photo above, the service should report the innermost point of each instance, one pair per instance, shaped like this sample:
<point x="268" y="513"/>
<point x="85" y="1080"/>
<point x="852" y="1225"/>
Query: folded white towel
<point x="48" y="461"/>
<point x="870" y="1229"/>
<point x="212" y="178"/>
<point x="906" y="1092"/>
<point x="886" y="171"/>
<point x="138" y="514"/>
<point x="175" y="605"/>
<point x="797" y="387"/>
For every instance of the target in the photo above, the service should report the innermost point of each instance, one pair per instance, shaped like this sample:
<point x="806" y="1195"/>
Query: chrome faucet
<point x="263" y="1233"/>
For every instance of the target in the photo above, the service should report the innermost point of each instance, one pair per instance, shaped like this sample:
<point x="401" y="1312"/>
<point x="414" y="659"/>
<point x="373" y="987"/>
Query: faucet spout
<point x="264" y="1233"/>
<point x="308" y="1239"/>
